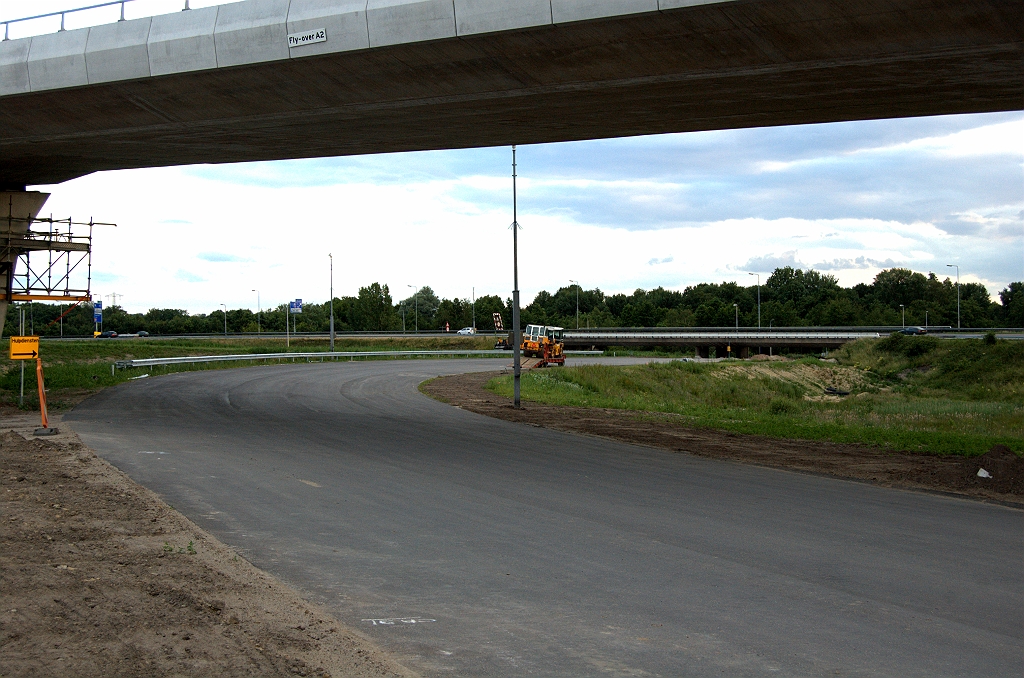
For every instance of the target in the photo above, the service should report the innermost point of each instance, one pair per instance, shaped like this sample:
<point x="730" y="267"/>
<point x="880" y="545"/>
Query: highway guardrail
<point x="189" y="359"/>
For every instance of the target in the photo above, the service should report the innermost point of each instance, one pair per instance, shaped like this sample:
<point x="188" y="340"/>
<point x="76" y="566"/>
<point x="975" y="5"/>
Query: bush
<point x="990" y="338"/>
<point x="909" y="347"/>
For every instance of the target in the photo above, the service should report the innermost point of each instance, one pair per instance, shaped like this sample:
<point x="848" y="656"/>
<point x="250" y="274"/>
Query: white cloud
<point x="1006" y="138"/>
<point x="224" y="240"/>
<point x="1000" y="139"/>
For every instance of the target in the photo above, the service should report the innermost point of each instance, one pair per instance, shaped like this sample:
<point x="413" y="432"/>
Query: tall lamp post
<point x="474" y="309"/>
<point x="903" y="310"/>
<point x="259" y="311"/>
<point x="758" y="298"/>
<point x="736" y="307"/>
<point x="416" y="306"/>
<point x="957" y="267"/>
<point x="516" y="331"/>
<point x="577" y="283"/>
<point x="225" y="320"/>
<point x="331" y="257"/>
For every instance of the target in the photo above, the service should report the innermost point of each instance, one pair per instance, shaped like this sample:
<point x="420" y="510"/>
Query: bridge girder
<point x="745" y="63"/>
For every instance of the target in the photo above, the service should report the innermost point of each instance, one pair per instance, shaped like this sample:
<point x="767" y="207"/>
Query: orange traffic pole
<point x="42" y="392"/>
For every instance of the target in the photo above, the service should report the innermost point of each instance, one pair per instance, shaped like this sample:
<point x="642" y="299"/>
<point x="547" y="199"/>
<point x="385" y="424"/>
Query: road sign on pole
<point x="499" y="326"/>
<point x="295" y="306"/>
<point x="97" y="311"/>
<point x="24" y="348"/>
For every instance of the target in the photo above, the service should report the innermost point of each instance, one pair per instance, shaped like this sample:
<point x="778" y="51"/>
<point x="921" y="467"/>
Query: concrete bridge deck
<point x="222" y="84"/>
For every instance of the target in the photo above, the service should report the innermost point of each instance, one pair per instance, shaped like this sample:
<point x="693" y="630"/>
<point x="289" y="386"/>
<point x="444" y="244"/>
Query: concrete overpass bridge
<point x="224" y="84"/>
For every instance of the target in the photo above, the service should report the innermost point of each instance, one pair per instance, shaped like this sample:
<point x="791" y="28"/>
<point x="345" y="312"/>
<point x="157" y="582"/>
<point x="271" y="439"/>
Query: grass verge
<point x="907" y="393"/>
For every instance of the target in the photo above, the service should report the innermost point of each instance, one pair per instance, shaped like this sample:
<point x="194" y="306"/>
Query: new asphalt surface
<point x="476" y="547"/>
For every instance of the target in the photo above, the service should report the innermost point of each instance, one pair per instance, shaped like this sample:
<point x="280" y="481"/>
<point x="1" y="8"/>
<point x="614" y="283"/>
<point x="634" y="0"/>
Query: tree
<point x="486" y="307"/>
<point x="1013" y="305"/>
<point x="897" y="286"/>
<point x="374" y="311"/>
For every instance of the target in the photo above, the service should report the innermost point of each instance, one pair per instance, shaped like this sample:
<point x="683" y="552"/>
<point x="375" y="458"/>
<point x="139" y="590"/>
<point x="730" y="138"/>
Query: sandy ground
<point x="99" y="577"/>
<point x="955" y="475"/>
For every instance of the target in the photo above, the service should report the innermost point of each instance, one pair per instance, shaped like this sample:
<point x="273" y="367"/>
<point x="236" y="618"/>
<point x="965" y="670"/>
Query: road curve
<point x="537" y="552"/>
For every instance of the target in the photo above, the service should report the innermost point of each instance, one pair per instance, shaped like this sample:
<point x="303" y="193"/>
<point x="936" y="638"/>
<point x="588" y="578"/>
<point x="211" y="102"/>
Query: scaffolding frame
<point x="68" y="248"/>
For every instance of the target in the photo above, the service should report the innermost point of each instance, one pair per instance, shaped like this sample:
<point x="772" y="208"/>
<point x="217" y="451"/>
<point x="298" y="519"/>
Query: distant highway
<point x="525" y="551"/>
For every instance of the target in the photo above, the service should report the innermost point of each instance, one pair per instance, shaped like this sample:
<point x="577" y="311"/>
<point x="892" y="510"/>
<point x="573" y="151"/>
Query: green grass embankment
<point x="906" y="393"/>
<point x="74" y="369"/>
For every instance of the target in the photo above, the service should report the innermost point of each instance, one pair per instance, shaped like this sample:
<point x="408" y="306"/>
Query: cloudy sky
<point x="848" y="199"/>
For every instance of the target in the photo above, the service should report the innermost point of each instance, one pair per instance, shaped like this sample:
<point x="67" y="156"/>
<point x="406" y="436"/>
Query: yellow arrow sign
<point x="24" y="348"/>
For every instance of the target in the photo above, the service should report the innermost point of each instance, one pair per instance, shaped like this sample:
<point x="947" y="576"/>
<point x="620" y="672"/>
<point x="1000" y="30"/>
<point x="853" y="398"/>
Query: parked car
<point x="467" y="330"/>
<point x="143" y="333"/>
<point x="913" y="330"/>
<point x="106" y="334"/>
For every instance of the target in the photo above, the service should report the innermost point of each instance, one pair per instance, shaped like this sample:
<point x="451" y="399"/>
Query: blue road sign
<point x="295" y="306"/>
<point x="97" y="311"/>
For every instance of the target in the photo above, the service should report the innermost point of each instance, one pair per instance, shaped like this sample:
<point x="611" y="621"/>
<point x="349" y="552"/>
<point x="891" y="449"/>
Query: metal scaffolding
<point x="46" y="259"/>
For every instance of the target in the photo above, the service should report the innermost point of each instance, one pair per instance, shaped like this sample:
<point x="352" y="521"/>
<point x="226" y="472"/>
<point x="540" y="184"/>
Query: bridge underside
<point x="731" y="65"/>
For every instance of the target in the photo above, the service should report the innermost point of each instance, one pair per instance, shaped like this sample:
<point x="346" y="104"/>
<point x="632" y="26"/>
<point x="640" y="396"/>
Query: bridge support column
<point x="703" y="351"/>
<point x="742" y="352"/>
<point x="17" y="209"/>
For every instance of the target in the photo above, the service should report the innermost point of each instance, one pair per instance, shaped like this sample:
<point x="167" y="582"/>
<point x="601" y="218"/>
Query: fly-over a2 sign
<point x="307" y="37"/>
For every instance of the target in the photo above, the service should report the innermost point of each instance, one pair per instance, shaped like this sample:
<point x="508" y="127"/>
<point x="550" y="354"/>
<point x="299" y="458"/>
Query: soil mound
<point x="912" y="470"/>
<point x="1003" y="465"/>
<point x="101" y="578"/>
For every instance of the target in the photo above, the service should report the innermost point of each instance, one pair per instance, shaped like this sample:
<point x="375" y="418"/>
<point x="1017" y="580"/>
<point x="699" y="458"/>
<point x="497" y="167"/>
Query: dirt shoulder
<point x="102" y="578"/>
<point x="955" y="475"/>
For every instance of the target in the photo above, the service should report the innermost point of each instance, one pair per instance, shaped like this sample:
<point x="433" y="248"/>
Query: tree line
<point x="789" y="298"/>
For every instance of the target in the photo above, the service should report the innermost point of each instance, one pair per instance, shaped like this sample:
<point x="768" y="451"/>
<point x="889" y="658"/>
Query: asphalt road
<point x="536" y="552"/>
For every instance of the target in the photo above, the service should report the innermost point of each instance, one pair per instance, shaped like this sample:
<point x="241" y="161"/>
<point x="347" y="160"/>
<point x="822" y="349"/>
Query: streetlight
<point x="577" y="283"/>
<point x="736" y="307"/>
<point x="416" y="309"/>
<point x="957" y="267"/>
<point x="225" y="320"/>
<point x="758" y="298"/>
<point x="259" y="311"/>
<point x="331" y="257"/>
<point x="903" y="310"/>
<point x="474" y="308"/>
<point x="516" y="332"/>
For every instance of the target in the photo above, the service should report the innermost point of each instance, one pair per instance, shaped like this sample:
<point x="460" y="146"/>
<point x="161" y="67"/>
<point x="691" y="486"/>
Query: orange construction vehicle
<point x="545" y="343"/>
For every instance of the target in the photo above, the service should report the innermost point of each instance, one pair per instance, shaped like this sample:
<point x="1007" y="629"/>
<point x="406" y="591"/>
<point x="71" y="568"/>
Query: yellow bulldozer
<point x="541" y="344"/>
<point x="544" y="343"/>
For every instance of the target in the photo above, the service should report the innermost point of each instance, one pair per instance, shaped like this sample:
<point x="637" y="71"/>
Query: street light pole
<point x="474" y="308"/>
<point x="957" y="267"/>
<point x="225" y="320"/>
<point x="331" y="257"/>
<point x="577" y="283"/>
<point x="903" y="310"/>
<point x="416" y="307"/>
<point x="736" y="307"/>
<point x="259" y="312"/>
<point x="516" y="332"/>
<point x="758" y="298"/>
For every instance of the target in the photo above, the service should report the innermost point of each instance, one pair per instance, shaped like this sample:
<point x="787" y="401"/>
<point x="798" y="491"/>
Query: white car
<point x="467" y="330"/>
